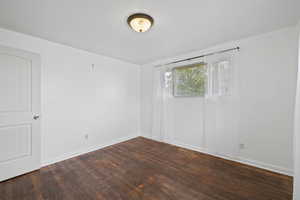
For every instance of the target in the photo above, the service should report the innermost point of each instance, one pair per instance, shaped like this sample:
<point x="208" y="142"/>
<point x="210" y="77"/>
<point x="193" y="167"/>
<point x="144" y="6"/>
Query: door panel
<point x="15" y="84"/>
<point x="19" y="102"/>
<point x="15" y="142"/>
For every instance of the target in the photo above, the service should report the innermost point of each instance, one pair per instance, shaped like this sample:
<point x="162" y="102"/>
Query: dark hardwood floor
<point x="149" y="170"/>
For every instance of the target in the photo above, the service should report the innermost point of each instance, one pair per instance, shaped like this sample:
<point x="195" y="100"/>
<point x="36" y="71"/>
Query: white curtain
<point x="219" y="108"/>
<point x="161" y="113"/>
<point x="157" y="120"/>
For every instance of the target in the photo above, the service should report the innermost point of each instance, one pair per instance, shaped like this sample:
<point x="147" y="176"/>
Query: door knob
<point x="35" y="117"/>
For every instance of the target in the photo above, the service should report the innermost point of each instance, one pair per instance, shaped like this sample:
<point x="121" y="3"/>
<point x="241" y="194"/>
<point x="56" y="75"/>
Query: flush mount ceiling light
<point x="140" y="22"/>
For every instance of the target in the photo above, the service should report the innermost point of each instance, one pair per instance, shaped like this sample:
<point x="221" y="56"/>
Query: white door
<point x="20" y="143"/>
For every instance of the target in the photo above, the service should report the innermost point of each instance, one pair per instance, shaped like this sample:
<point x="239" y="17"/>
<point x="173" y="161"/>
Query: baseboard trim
<point x="266" y="166"/>
<point x="89" y="149"/>
<point x="258" y="164"/>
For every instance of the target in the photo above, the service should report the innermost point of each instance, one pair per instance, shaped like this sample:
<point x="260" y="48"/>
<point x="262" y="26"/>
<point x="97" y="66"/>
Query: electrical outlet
<point x="242" y="146"/>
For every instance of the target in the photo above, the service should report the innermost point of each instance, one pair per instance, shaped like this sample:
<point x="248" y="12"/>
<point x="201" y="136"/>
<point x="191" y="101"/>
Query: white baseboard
<point x="148" y="137"/>
<point x="253" y="163"/>
<point x="89" y="149"/>
<point x="270" y="167"/>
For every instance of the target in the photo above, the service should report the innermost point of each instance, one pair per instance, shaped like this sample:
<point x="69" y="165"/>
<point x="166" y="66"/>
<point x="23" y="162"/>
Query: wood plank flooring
<point x="144" y="169"/>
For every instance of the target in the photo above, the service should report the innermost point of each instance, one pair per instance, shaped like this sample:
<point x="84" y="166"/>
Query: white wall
<point x="297" y="131"/>
<point x="77" y="99"/>
<point x="267" y="66"/>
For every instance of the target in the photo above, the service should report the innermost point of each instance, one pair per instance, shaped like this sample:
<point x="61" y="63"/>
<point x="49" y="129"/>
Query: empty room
<point x="149" y="100"/>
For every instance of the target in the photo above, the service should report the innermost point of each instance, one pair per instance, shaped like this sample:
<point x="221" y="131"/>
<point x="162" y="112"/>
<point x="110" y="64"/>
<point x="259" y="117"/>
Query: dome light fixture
<point x="140" y="22"/>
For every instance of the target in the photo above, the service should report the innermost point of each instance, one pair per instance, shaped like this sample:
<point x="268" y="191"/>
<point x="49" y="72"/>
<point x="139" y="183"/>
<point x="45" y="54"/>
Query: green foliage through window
<point x="190" y="80"/>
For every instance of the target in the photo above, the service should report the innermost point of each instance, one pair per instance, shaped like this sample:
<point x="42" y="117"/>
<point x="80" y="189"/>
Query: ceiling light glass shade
<point x="140" y="22"/>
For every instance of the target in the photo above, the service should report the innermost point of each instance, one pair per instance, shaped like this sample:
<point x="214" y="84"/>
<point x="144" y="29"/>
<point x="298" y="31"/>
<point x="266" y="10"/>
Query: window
<point x="190" y="80"/>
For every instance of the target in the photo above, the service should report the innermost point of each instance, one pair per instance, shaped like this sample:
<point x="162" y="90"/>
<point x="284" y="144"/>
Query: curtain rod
<point x="201" y="56"/>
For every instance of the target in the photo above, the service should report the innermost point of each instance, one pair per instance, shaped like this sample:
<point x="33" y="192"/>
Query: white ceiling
<point x="180" y="25"/>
